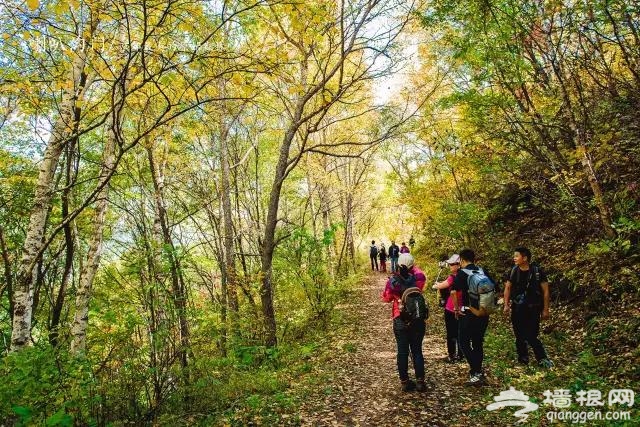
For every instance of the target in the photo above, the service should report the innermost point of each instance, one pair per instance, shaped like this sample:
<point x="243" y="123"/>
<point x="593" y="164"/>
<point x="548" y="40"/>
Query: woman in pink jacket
<point x="450" y="321"/>
<point x="409" y="336"/>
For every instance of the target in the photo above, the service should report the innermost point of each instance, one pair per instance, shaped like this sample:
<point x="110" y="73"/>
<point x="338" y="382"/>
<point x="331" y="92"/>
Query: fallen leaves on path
<point x="363" y="387"/>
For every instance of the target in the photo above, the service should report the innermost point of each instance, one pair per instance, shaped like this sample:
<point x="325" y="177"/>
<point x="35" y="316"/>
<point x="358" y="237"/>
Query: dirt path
<point x="364" y="389"/>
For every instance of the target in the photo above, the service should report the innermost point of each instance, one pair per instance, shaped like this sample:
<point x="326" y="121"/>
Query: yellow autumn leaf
<point x="61" y="7"/>
<point x="33" y="4"/>
<point x="237" y="79"/>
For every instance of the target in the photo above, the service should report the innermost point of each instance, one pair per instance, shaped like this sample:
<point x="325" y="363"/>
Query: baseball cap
<point x="405" y="259"/>
<point x="455" y="259"/>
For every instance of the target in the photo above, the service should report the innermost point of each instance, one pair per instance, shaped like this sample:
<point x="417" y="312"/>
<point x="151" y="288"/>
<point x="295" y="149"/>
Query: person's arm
<point x="479" y="313"/>
<point x="441" y="285"/>
<point x="507" y="297"/>
<point x="446" y="283"/>
<point x="456" y="306"/>
<point x="388" y="295"/>
<point x="457" y="285"/>
<point x="545" y="299"/>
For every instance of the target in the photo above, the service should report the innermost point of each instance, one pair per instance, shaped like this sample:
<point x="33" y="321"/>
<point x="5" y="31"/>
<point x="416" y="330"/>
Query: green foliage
<point x="44" y="386"/>
<point x="304" y="275"/>
<point x="578" y="366"/>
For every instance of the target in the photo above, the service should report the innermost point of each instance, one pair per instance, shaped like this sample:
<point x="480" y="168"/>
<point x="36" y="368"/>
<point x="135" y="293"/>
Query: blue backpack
<point x="481" y="289"/>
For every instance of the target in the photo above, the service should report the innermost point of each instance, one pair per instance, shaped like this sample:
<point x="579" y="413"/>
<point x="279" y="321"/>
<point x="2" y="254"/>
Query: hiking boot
<point x="523" y="361"/>
<point x="420" y="386"/>
<point x="475" y="380"/>
<point x="408" y="385"/>
<point x="546" y="363"/>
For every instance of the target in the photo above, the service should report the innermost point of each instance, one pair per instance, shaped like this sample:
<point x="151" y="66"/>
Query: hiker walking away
<point x="472" y="320"/>
<point x="394" y="253"/>
<point x="412" y="242"/>
<point x="409" y="313"/>
<point x="383" y="258"/>
<point x="526" y="295"/>
<point x="450" y="321"/>
<point x="373" y="255"/>
<point x="404" y="249"/>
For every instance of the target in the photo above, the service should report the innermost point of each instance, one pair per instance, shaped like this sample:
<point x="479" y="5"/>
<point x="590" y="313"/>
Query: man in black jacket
<point x="373" y="254"/>
<point x="526" y="296"/>
<point x="394" y="253"/>
<point x="472" y="320"/>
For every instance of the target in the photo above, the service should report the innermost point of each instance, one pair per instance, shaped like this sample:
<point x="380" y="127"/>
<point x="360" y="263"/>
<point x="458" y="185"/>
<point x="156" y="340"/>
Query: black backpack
<point x="531" y="292"/>
<point x="413" y="306"/>
<point x="373" y="251"/>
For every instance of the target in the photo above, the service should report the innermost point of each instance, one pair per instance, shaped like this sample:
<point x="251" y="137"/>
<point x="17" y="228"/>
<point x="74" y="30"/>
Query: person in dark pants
<point x="472" y="320"/>
<point x="383" y="258"/>
<point x="394" y="253"/>
<point x="373" y="254"/>
<point x="450" y="321"/>
<point x="408" y="337"/>
<point x="526" y="295"/>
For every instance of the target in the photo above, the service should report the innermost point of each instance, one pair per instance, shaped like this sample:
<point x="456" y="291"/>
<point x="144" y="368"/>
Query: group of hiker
<point x="468" y="297"/>
<point x="393" y="253"/>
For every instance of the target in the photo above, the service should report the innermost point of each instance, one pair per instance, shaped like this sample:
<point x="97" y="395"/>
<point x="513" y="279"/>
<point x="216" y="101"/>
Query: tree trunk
<point x="325" y="210"/>
<point x="34" y="240"/>
<point x="83" y="293"/>
<point x="351" y="248"/>
<point x="578" y="129"/>
<point x="228" y="229"/>
<point x="268" y="243"/>
<point x="69" y="245"/>
<point x="599" y="199"/>
<point x="178" y="293"/>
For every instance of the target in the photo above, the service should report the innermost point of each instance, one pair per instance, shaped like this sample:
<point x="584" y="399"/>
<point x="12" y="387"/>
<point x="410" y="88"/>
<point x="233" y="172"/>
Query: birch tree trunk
<point x="83" y="294"/>
<point x="60" y="135"/>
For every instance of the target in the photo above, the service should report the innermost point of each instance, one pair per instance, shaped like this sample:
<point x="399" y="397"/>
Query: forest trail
<point x="365" y="390"/>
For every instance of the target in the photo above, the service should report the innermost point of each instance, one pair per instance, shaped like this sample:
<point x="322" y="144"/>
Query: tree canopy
<point x="186" y="188"/>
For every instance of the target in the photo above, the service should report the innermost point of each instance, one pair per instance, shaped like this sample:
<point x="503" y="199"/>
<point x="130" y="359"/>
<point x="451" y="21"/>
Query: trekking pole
<point x="437" y="280"/>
